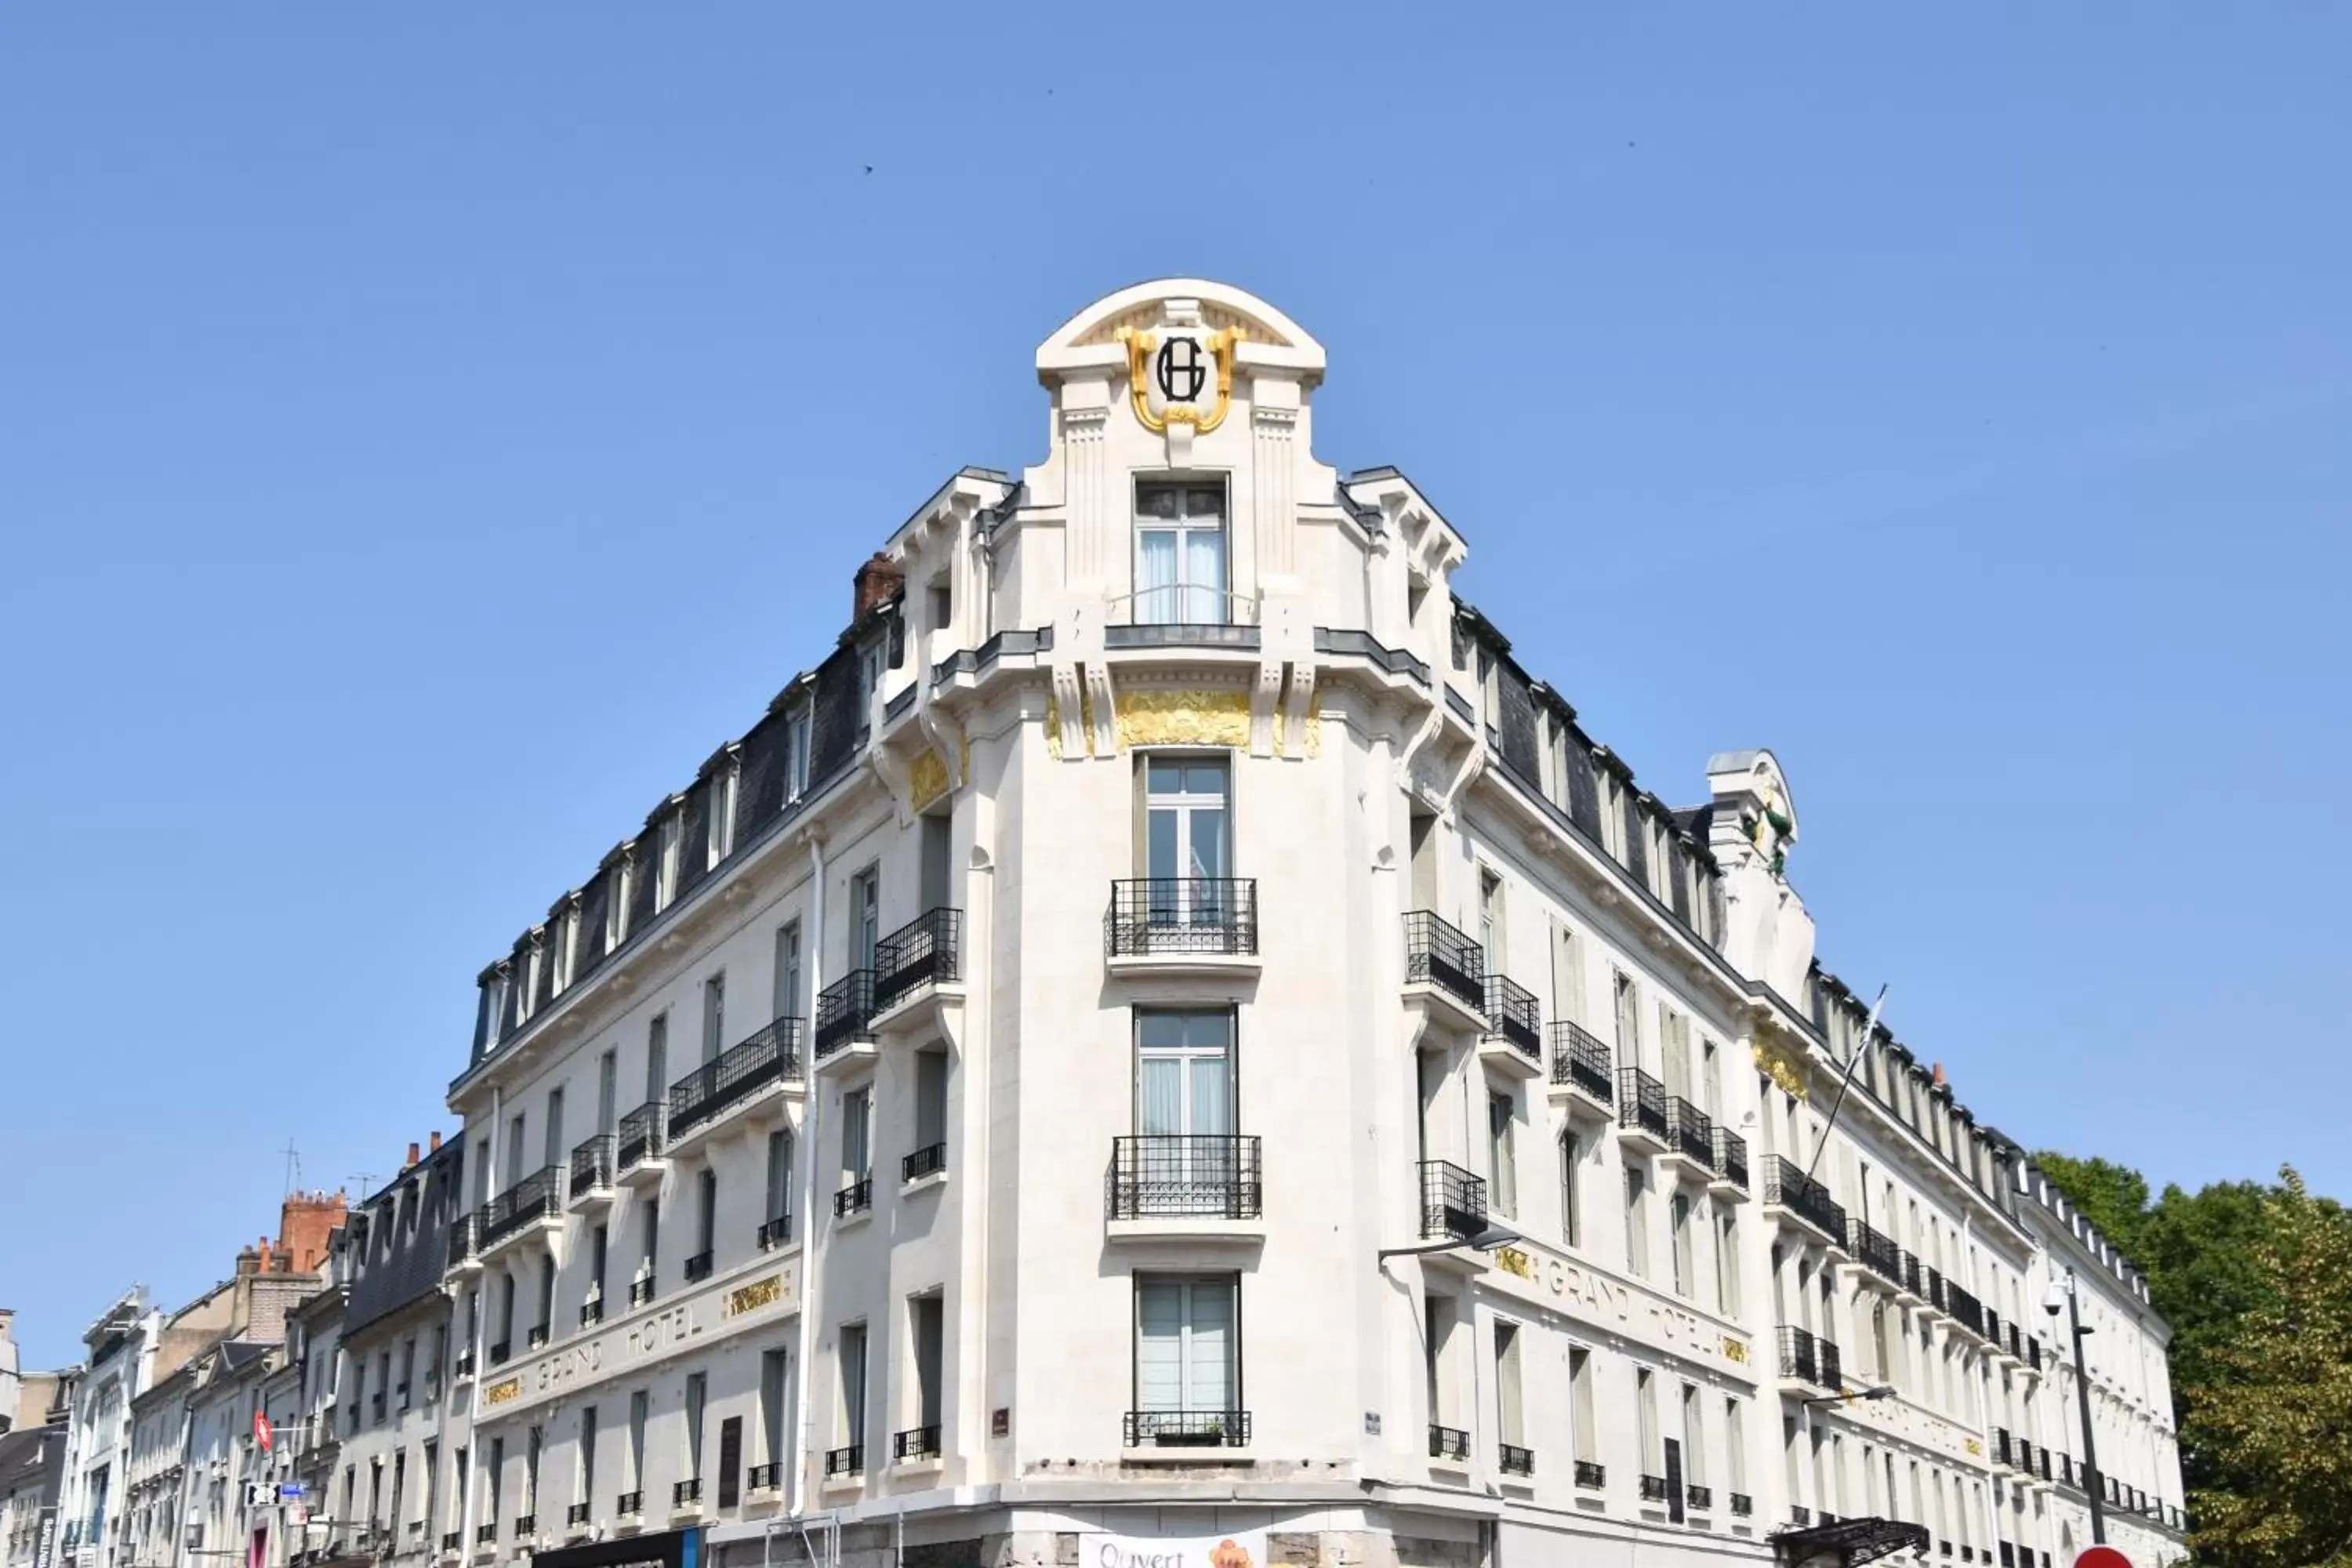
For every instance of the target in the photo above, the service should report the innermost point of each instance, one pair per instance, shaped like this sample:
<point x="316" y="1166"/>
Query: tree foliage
<point x="2256" y="1283"/>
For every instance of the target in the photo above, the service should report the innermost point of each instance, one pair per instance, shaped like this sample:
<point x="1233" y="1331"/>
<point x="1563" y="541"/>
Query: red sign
<point x="261" y="1436"/>
<point x="2101" y="1557"/>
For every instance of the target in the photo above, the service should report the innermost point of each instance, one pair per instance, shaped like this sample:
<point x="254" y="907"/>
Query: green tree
<point x="2271" y="1425"/>
<point x="2113" y="1197"/>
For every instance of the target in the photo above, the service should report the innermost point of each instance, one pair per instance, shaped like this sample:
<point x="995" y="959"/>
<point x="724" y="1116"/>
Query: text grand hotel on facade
<point x="1168" y="1033"/>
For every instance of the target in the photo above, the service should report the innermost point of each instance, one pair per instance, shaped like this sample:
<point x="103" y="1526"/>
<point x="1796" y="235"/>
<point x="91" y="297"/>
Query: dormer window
<point x="797" y="756"/>
<point x="1180" y="555"/>
<point x="672" y="832"/>
<point x="619" y="885"/>
<point x="722" y="841"/>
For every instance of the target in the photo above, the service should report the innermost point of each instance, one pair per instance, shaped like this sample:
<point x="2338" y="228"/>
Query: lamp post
<point x="2050" y="1304"/>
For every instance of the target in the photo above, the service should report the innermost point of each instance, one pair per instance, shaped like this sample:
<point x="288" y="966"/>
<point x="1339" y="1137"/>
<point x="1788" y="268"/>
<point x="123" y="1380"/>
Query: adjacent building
<point x="1169" y="1043"/>
<point x="32" y="1472"/>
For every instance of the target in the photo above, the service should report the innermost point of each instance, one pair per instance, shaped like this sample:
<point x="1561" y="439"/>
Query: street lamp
<point x="1487" y="1240"/>
<point x="2064" y="1296"/>
<point x="1877" y="1391"/>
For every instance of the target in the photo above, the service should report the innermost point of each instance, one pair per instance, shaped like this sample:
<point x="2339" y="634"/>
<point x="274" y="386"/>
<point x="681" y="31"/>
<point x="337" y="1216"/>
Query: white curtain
<point x="1204" y="576"/>
<point x="1156" y="594"/>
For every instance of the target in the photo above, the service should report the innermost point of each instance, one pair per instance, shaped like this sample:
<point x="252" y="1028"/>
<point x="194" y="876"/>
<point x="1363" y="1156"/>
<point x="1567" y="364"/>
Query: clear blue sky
<point x="423" y="436"/>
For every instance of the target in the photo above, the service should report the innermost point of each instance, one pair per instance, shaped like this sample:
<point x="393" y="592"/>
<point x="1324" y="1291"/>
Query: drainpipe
<point x="474" y="1343"/>
<point x="808" y="1187"/>
<point x="1984" y="1409"/>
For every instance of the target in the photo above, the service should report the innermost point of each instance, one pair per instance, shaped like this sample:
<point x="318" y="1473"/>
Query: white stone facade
<point x="1036" y="1094"/>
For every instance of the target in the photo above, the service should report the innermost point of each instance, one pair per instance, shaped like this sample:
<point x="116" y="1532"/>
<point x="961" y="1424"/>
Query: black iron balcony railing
<point x="575" y="1514"/>
<point x="2008" y="1555"/>
<point x="718" y="1085"/>
<point x="1642" y="1103"/>
<point x="2066" y="1469"/>
<point x="526" y="1526"/>
<point x="2025" y="1456"/>
<point x="1515" y="1016"/>
<point x="1516" y="1460"/>
<point x="776" y="1233"/>
<point x="1448" y="1442"/>
<point x="854" y="1199"/>
<point x="1809" y="1358"/>
<point x="1874" y="1250"/>
<point x="844" y="1011"/>
<point x="689" y="1491"/>
<point x="1742" y="1505"/>
<point x="1435" y="954"/>
<point x="641" y="1291"/>
<point x="1590" y="1475"/>
<point x="628" y="1504"/>
<point x="486" y="1533"/>
<point x="2041" y="1461"/>
<point x="917" y="1443"/>
<point x="462" y="1364"/>
<point x="536" y="1337"/>
<point x="2034" y="1354"/>
<point x="1453" y="1202"/>
<point x="2012" y="1339"/>
<point x="1800" y="1514"/>
<point x="698" y="1266"/>
<point x="501" y="1350"/>
<point x="1935" y="1289"/>
<point x="927" y="1161"/>
<point x="1186" y="1428"/>
<point x="1803" y="1195"/>
<point x="462" y="1245"/>
<point x="1690" y="1131"/>
<point x="1154" y="915"/>
<point x="1698" y="1496"/>
<point x="1655" y="1489"/>
<point x="592" y="1164"/>
<point x="1964" y="1307"/>
<point x="1185" y="1176"/>
<point x="1731" y="1157"/>
<point x="2000" y="1447"/>
<point x="592" y="1311"/>
<point x="1579" y="1060"/>
<point x="921" y="953"/>
<point x="645" y="1134"/>
<point x="451" y="1539"/>
<point x="1907" y="1273"/>
<point x="1988" y="1325"/>
<point x="768" y="1478"/>
<point x="849" y="1460"/>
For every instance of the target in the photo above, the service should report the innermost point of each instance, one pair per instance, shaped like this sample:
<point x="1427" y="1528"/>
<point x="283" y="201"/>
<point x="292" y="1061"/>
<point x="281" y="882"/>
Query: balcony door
<point x="1184" y="1094"/>
<point x="1184" y="1346"/>
<point x="1188" y="840"/>
<point x="1180" y="555"/>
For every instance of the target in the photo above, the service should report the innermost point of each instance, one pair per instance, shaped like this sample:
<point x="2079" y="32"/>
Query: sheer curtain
<point x="1155" y="593"/>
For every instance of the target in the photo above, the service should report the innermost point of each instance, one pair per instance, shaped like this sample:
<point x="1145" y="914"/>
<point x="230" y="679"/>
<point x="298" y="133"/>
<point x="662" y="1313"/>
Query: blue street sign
<point x="288" y="1490"/>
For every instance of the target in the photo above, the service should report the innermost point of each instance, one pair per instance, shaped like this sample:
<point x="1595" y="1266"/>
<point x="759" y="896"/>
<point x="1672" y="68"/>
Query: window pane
<point x="1160" y="1098"/>
<point x="1209" y="1087"/>
<point x="1208" y="1367"/>
<point x="1205" y="502"/>
<point x="1159" y="1345"/>
<point x="1162" y="829"/>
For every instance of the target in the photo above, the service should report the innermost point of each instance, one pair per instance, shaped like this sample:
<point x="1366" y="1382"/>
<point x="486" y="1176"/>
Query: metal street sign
<point x="289" y="1491"/>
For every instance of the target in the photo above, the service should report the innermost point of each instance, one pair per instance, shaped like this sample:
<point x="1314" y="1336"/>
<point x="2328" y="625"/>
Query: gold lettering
<point x="500" y="1393"/>
<point x="750" y="1298"/>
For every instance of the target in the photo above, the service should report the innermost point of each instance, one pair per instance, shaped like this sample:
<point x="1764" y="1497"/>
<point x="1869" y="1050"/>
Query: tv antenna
<point x="293" y="1167"/>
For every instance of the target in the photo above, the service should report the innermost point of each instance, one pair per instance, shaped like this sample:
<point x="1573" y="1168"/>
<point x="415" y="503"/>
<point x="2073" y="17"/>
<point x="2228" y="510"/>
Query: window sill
<point x="919" y="1469"/>
<point x="923" y="1183"/>
<point x="1188" y="1454"/>
<point x="853" y="1218"/>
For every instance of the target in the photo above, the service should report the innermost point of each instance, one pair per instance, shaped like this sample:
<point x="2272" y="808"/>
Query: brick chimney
<point x="304" y="1226"/>
<point x="435" y="1146"/>
<point x="1940" y="1082"/>
<point x="877" y="582"/>
<point x="409" y="1163"/>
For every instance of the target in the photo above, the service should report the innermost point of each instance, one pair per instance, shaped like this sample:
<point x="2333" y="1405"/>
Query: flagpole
<point x="1846" y="1082"/>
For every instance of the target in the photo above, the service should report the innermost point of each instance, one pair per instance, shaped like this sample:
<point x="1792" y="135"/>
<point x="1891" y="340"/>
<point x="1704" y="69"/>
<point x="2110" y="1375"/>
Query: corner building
<point x="1168" y="1045"/>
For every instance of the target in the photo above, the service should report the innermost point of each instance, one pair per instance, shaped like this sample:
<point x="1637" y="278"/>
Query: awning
<point x="1849" y="1542"/>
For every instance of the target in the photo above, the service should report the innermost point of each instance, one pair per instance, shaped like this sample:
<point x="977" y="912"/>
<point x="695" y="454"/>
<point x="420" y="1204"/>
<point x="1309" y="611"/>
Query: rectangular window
<point x="864" y="917"/>
<point x="1490" y="920"/>
<point x="1509" y="1413"/>
<point x="1678" y="1214"/>
<point x="407" y="1383"/>
<point x="462" y="1471"/>
<point x="856" y="1136"/>
<point x="638" y="1403"/>
<point x="585" y="1472"/>
<point x="608" y="1077"/>
<point x="853" y="1384"/>
<point x="1694" y="1435"/>
<point x="775" y="1406"/>
<point x="532" y="1441"/>
<point x="1188" y="840"/>
<point x="651" y="1236"/>
<point x="1637" y="1223"/>
<point x="1185" y="1353"/>
<point x="780" y="1174"/>
<point x="930" y="1097"/>
<point x="552" y="1140"/>
<point x="714" y="1016"/>
<point x="1184" y="1074"/>
<point x="1571" y="1200"/>
<point x="1735" y="1445"/>
<point x="1645" y="1407"/>
<point x="1584" y="1417"/>
<point x="698" y="1394"/>
<point x="797" y="756"/>
<point x="494" y="1479"/>
<point x="706" y="1236"/>
<point x="673" y="833"/>
<point x="1727" y="1263"/>
<point x="431" y="1456"/>
<point x="657" y="1059"/>
<point x="720" y="799"/>
<point x="1629" y="1019"/>
<point x="786" y="1001"/>
<point x="1180" y="555"/>
<point x="1502" y="1156"/>
<point x="598" y="1247"/>
<point x="926" y="1316"/>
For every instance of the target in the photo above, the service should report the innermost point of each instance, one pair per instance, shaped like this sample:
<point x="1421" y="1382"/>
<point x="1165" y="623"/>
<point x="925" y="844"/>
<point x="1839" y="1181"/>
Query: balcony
<point x="853" y="1200"/>
<point x="464" y="1254"/>
<point x="1203" y="1186"/>
<point x="1730" y="1183"/>
<point x="1964" y="1309"/>
<point x="1908" y="1284"/>
<point x="1699" y="1497"/>
<point x="1447" y="969"/>
<point x="575" y="1517"/>
<point x="1513" y="1039"/>
<point x="914" y="963"/>
<point x="842" y="1030"/>
<point x="1642" y="1112"/>
<point x="526" y="1526"/>
<point x="1185" y="1429"/>
<point x="1589" y="1476"/>
<point x="846" y="1463"/>
<point x="776" y="1233"/>
<point x="1170" y="924"/>
<point x="502" y="1352"/>
<point x="766" y="1479"/>
<point x="1582" y="1075"/>
<point x="928" y="1164"/>
<point x="461" y="1366"/>
<point x="1875" y="1251"/>
<point x="1802" y="1203"/>
<point x="592" y="1162"/>
<point x="452" y="1540"/>
<point x="641" y="1291"/>
<point x="1655" y="1489"/>
<point x="1690" y="1136"/>
<point x="1453" y="1203"/>
<point x="592" y="1311"/>
<point x="536" y="1337"/>
<point x="1516" y="1460"/>
<point x="1807" y="1358"/>
<point x="629" y="1506"/>
<point x="915" y="1446"/>
<point x="1742" y="1505"/>
<point x="698" y="1266"/>
<point x="533" y="1205"/>
<point x="1449" y="1445"/>
<point x="685" y="1496"/>
<point x="744" y="1087"/>
<point x="2002" y="1453"/>
<point x="643" y="1148"/>
<point x="487" y="1534"/>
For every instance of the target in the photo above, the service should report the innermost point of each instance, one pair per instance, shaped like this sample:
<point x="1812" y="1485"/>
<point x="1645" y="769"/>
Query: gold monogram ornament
<point x="1181" y="378"/>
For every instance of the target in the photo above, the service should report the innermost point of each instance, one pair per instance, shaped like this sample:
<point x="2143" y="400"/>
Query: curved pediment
<point x="1143" y="307"/>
